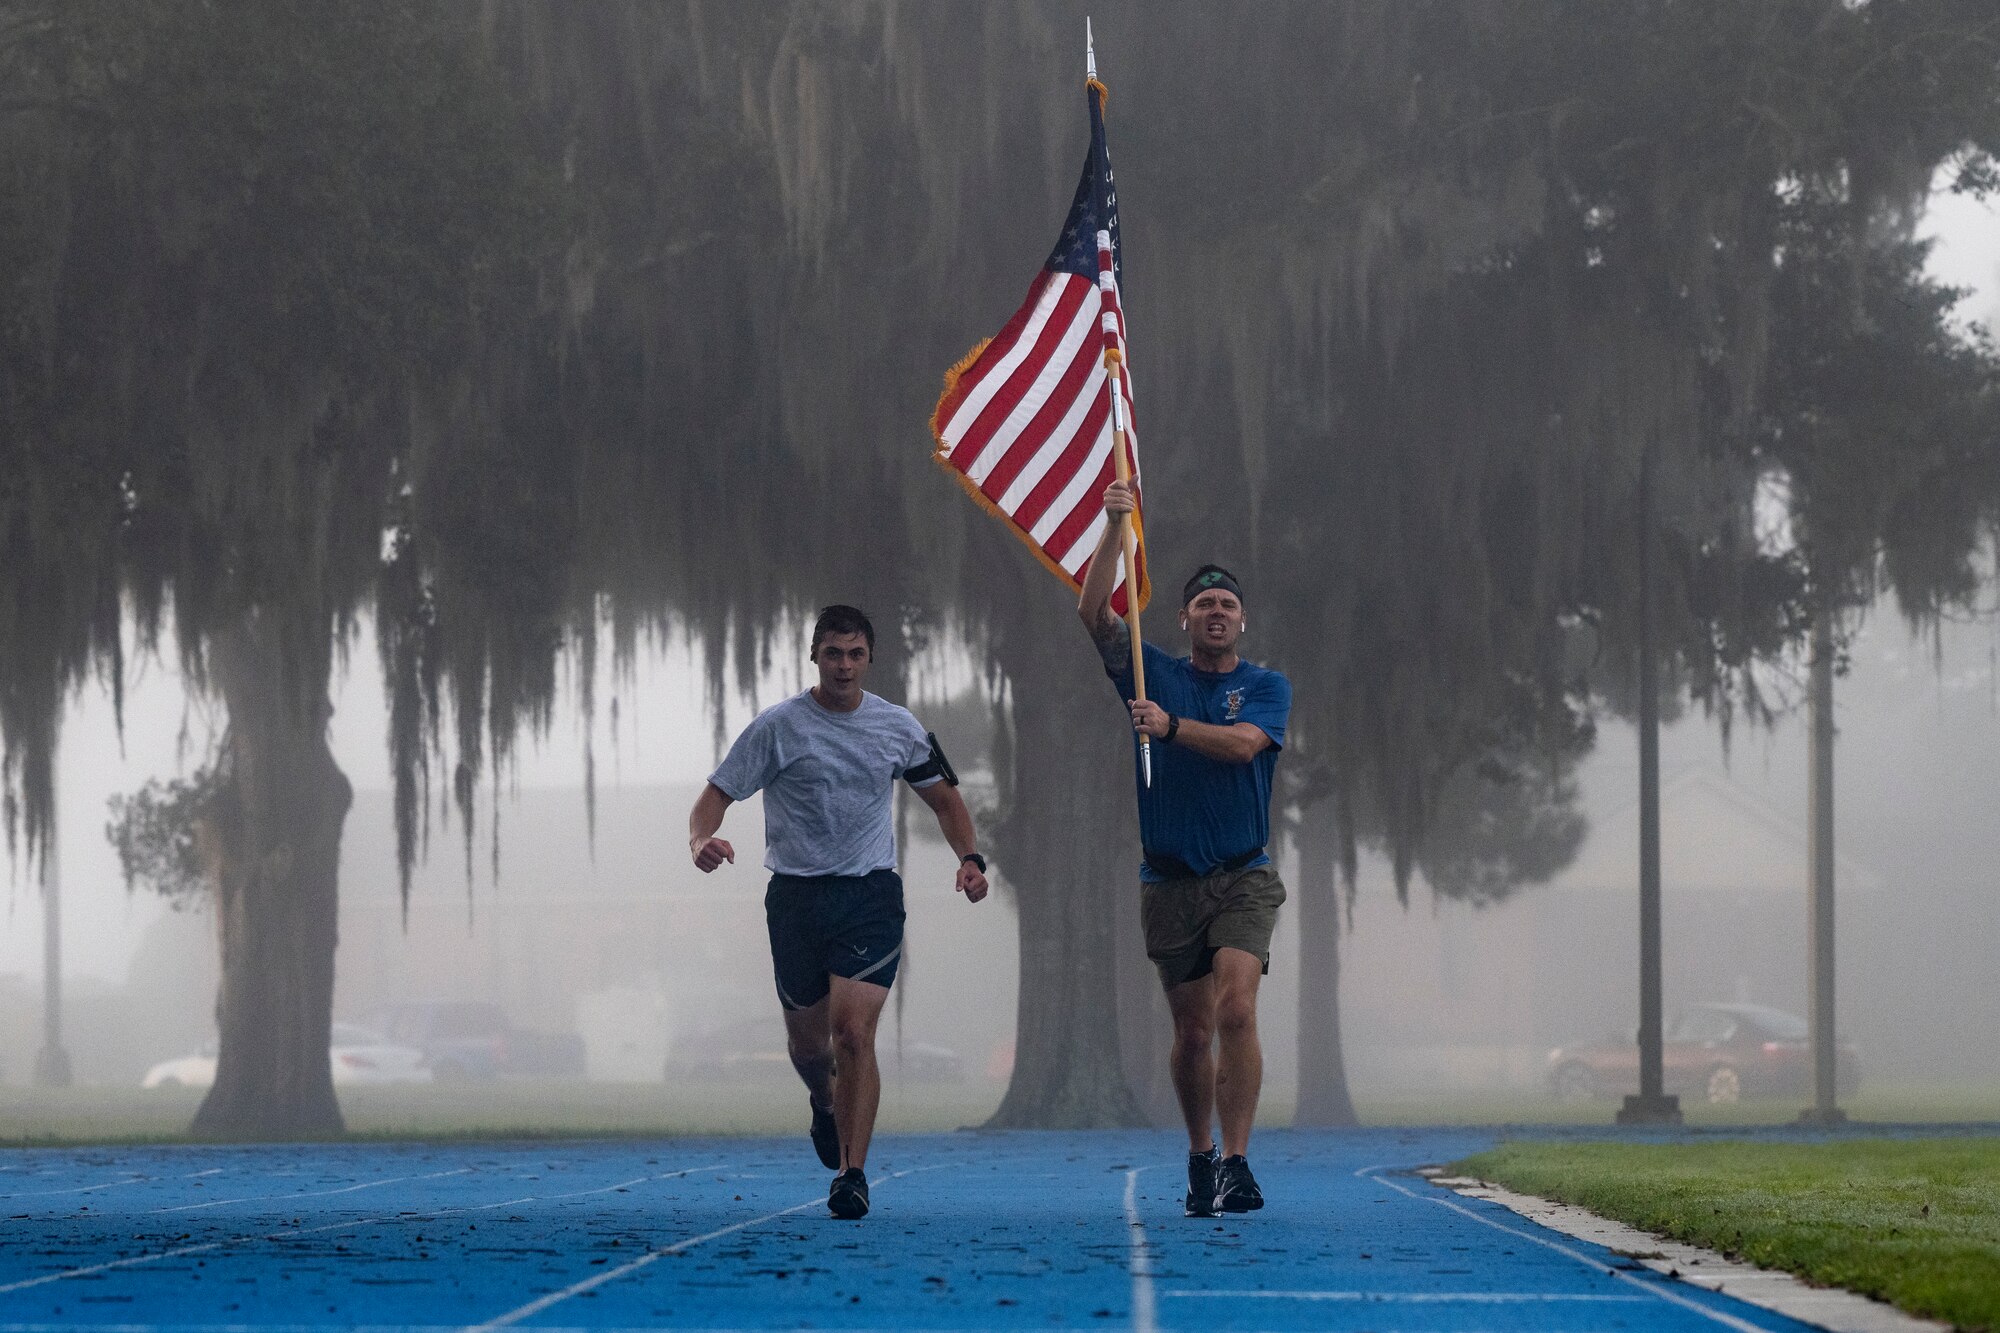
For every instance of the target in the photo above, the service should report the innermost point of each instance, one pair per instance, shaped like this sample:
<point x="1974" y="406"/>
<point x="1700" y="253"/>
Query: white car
<point x="358" y="1054"/>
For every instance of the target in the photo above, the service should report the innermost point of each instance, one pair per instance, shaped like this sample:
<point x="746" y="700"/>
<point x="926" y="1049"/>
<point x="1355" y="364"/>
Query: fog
<point x="1437" y="998"/>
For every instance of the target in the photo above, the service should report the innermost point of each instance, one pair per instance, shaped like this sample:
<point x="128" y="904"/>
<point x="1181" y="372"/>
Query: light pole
<point x="1819" y="864"/>
<point x="1651" y="1105"/>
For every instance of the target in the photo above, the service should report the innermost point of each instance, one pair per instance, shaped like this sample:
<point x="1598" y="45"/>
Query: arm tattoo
<point x="1113" y="640"/>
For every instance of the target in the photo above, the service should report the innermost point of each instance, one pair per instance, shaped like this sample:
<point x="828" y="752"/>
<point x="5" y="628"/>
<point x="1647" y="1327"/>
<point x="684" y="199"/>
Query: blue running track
<point x="968" y="1231"/>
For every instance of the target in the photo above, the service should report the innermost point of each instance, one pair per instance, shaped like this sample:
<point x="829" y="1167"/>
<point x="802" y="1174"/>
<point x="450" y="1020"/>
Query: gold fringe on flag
<point x="941" y="456"/>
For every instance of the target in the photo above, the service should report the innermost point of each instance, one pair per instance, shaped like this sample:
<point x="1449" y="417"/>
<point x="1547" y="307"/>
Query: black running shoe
<point x="849" y="1196"/>
<point x="825" y="1135"/>
<point x="1201" y="1184"/>
<point x="1235" y="1188"/>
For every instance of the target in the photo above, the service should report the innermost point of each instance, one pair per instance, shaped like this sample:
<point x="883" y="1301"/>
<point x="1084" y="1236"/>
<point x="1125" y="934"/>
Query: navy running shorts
<point x="825" y="926"/>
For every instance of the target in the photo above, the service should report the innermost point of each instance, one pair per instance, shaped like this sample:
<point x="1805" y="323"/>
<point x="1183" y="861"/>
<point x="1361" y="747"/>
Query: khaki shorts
<point x="1187" y="920"/>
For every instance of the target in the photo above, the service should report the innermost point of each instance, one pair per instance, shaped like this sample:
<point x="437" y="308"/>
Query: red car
<point x="1719" y="1052"/>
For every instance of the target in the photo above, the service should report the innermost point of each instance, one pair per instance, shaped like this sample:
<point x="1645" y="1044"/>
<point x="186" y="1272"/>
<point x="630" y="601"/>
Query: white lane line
<point x="310" y="1194"/>
<point x="1418" y="1297"/>
<point x="349" y="1225"/>
<point x="1145" y="1310"/>
<point x="138" y="1178"/>
<point x="1653" y="1288"/>
<point x="541" y="1303"/>
<point x="537" y="1198"/>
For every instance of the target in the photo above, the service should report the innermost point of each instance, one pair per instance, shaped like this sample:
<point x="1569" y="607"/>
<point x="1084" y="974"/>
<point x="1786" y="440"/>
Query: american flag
<point x="1025" y="419"/>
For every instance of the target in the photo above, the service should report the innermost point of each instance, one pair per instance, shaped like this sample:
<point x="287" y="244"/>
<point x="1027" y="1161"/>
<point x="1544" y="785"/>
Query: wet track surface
<point x="968" y="1231"/>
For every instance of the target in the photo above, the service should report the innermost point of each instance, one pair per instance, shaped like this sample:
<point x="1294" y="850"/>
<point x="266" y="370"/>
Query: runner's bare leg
<point x="1239" y="1076"/>
<point x="809" y="1041"/>
<point x="1192" y="1061"/>
<point x="857" y="1093"/>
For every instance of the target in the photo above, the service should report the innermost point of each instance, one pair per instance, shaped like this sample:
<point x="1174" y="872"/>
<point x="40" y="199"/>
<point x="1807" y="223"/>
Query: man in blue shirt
<point x="1209" y="895"/>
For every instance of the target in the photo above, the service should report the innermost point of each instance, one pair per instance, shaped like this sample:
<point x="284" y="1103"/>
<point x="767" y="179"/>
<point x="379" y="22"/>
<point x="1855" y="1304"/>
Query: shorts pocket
<point x="1172" y="917"/>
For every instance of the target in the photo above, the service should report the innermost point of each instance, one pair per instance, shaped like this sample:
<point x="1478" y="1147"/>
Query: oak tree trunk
<point x="1068" y="845"/>
<point x="1323" y="1095"/>
<point x="273" y="834"/>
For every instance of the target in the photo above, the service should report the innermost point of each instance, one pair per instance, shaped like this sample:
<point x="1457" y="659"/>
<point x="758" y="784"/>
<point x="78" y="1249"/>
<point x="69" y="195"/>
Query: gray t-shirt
<point x="827" y="778"/>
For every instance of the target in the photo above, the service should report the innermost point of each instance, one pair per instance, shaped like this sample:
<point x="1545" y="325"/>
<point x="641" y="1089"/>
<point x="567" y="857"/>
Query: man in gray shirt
<point x="827" y="762"/>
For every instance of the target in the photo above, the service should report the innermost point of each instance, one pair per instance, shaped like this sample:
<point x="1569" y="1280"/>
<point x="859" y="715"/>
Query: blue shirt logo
<point x="1198" y="809"/>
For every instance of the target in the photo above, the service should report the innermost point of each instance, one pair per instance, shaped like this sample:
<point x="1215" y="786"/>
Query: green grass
<point x="1914" y="1222"/>
<point x="1883" y="1104"/>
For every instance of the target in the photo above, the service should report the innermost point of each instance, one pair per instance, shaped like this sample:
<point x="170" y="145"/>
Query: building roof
<point x="1715" y="837"/>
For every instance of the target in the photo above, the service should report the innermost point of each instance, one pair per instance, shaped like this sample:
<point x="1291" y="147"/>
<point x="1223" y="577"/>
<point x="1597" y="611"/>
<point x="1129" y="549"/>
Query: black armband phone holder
<point x="937" y="766"/>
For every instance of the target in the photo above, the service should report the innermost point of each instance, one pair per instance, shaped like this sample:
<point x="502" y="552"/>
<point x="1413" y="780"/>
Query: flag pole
<point x="1120" y="451"/>
<point x="1122" y="462"/>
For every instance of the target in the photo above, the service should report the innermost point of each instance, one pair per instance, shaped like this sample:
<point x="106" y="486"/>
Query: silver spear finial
<point x="1089" y="50"/>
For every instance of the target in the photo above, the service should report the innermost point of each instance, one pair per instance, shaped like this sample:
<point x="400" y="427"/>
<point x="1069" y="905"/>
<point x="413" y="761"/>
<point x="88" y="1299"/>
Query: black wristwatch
<point x="976" y="859"/>
<point x="1173" y="725"/>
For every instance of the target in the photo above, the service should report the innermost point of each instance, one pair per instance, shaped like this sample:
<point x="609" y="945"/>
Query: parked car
<point x="1719" y="1052"/>
<point x="918" y="1061"/>
<point x="186" y="1071"/>
<point x="465" y="1040"/>
<point x="739" y="1048"/>
<point x="358" y="1056"/>
<point x="750" y="1047"/>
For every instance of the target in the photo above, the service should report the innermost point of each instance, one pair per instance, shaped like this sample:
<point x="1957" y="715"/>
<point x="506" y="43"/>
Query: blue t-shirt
<point x="1199" y="809"/>
<point x="827" y="780"/>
